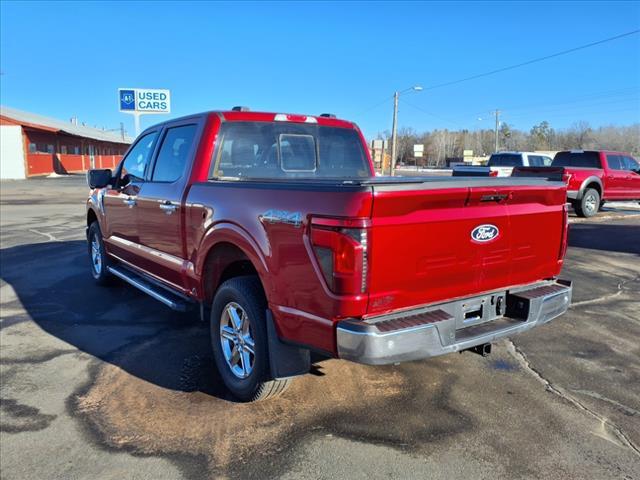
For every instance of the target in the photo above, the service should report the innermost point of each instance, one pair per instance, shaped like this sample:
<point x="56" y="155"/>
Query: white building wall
<point x="12" y="164"/>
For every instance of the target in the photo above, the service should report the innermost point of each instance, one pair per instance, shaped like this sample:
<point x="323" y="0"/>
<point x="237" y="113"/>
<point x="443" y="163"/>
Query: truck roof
<point x="616" y="152"/>
<point x="249" y="116"/>
<point x="519" y="152"/>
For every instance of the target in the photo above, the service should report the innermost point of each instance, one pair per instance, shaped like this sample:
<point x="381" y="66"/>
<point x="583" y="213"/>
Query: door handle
<point x="168" y="207"/>
<point x="130" y="202"/>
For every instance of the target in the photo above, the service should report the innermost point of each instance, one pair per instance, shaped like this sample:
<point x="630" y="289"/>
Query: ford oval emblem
<point x="485" y="233"/>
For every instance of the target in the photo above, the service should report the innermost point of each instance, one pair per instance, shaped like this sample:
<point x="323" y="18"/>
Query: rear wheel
<point x="239" y="340"/>
<point x="97" y="256"/>
<point x="589" y="204"/>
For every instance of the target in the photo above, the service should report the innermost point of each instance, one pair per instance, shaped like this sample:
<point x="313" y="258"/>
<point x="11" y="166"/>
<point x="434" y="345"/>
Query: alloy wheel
<point x="238" y="345"/>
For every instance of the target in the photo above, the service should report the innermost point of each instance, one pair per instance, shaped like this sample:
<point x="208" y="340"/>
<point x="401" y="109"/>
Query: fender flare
<point x="587" y="181"/>
<point x="226" y="232"/>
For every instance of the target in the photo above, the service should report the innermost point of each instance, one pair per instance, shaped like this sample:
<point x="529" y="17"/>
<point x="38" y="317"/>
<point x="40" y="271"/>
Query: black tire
<point x="589" y="204"/>
<point x="243" y="295"/>
<point x="99" y="273"/>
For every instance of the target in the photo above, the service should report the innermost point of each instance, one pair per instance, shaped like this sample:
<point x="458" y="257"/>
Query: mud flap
<point x="285" y="360"/>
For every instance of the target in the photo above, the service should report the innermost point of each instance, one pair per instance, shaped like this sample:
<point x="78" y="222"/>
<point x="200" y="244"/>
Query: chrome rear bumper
<point x="451" y="327"/>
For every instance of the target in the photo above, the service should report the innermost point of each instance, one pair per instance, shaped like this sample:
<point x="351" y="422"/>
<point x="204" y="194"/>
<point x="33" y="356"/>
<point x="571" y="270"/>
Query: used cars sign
<point x="144" y="100"/>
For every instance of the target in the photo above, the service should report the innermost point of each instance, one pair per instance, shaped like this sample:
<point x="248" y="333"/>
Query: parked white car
<point x="503" y="162"/>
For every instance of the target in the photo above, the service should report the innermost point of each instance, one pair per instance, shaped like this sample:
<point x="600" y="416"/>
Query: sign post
<point x="142" y="101"/>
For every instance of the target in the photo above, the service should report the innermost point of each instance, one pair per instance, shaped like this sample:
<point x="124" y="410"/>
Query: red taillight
<point x="493" y="173"/>
<point x="340" y="248"/>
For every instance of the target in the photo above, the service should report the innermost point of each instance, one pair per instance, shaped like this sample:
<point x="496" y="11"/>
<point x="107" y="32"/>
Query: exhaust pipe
<point x="483" y="350"/>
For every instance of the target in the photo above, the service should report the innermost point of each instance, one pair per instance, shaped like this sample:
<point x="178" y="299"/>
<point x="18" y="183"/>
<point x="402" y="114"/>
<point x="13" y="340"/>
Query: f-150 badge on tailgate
<point x="485" y="233"/>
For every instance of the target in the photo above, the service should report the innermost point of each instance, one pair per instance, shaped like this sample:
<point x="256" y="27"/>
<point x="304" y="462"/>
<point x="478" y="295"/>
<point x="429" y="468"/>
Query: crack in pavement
<point x="608" y="296"/>
<point x="620" y="436"/>
<point x="47" y="235"/>
<point x="626" y="409"/>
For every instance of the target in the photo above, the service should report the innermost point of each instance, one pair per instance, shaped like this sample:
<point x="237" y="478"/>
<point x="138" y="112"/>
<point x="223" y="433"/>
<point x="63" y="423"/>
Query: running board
<point x="172" y="300"/>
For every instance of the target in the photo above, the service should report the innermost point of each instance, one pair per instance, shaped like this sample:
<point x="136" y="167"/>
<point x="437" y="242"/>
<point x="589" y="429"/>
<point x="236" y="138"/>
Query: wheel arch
<point x="229" y="252"/>
<point x="591" y="182"/>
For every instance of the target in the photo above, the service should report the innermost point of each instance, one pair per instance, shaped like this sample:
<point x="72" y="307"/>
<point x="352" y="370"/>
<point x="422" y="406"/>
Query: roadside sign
<point x="418" y="150"/>
<point x="377" y="144"/>
<point x="144" y="100"/>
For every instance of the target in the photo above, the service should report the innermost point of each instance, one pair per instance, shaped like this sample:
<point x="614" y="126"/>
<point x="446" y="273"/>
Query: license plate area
<point x="477" y="310"/>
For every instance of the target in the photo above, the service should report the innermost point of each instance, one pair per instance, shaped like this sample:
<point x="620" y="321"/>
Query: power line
<point x="624" y="92"/>
<point x="535" y="60"/>
<point x="430" y="113"/>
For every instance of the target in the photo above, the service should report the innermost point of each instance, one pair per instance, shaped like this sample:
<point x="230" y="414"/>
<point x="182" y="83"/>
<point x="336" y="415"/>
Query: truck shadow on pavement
<point x="53" y="285"/>
<point x="608" y="237"/>
<point x="155" y="389"/>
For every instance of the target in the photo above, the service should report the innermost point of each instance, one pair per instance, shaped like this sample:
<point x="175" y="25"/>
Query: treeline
<point x="440" y="145"/>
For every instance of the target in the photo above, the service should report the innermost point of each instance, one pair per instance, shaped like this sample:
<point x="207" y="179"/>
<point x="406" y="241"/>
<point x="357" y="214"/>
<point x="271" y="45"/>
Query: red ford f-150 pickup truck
<point x="592" y="177"/>
<point x="276" y="227"/>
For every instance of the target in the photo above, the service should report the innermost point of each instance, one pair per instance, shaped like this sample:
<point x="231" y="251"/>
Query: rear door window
<point x="174" y="153"/>
<point x="615" y="162"/>
<point x="577" y="159"/>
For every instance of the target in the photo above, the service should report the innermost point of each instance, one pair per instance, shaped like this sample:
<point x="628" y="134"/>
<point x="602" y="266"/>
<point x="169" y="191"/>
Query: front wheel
<point x="589" y="204"/>
<point x="97" y="256"/>
<point x="239" y="340"/>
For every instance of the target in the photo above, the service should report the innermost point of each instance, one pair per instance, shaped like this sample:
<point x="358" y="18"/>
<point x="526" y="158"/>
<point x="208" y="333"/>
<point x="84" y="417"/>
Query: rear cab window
<point x="577" y="159"/>
<point x="505" y="160"/>
<point x="266" y="150"/>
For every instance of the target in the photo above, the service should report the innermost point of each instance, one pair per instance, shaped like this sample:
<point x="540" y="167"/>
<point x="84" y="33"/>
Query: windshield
<point x="264" y="150"/>
<point x="577" y="159"/>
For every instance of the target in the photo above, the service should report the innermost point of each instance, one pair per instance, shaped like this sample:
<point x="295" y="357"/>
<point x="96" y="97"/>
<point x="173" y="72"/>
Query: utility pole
<point x="497" y="125"/>
<point x="122" y="129"/>
<point x="392" y="163"/>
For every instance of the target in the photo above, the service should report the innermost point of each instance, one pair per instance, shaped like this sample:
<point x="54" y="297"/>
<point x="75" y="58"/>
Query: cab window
<point x="174" y="152"/>
<point x="536" y="161"/>
<point x="615" y="162"/>
<point x="631" y="164"/>
<point x="136" y="161"/>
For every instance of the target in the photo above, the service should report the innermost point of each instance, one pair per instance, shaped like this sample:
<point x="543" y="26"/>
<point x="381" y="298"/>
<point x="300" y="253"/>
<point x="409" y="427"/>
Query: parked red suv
<point x="275" y="227"/>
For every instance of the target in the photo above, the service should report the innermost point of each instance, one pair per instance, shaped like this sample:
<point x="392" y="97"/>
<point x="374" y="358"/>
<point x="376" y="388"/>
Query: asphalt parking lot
<point x="107" y="383"/>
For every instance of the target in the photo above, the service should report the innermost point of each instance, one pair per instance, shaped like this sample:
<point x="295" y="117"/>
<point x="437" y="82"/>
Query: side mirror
<point x="99" y="178"/>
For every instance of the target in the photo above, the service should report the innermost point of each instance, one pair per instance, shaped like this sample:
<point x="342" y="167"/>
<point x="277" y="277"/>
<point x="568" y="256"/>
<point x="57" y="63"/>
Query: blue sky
<point x="69" y="59"/>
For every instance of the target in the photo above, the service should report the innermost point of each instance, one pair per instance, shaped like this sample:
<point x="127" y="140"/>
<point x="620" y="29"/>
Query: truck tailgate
<point x="421" y="245"/>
